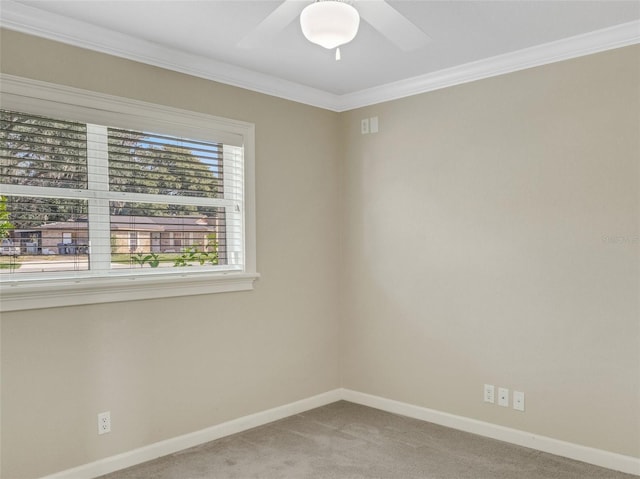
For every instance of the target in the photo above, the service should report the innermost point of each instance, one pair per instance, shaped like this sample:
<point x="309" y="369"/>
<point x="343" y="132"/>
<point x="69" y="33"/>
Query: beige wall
<point x="173" y="366"/>
<point x="480" y="241"/>
<point x="491" y="236"/>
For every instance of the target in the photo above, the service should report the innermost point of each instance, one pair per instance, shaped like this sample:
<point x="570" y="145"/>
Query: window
<point x="96" y="191"/>
<point x="133" y="242"/>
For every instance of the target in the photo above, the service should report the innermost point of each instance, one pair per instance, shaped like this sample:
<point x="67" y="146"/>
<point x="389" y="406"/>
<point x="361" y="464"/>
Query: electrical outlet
<point x="503" y="397"/>
<point x="518" y="400"/>
<point x="489" y="393"/>
<point x="104" y="422"/>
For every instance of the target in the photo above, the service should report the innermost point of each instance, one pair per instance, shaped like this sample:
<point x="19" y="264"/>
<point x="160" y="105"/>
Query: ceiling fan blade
<point x="273" y="24"/>
<point x="392" y="24"/>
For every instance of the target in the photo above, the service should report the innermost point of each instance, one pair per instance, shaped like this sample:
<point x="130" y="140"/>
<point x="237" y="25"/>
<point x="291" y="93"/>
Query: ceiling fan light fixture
<point x="329" y="23"/>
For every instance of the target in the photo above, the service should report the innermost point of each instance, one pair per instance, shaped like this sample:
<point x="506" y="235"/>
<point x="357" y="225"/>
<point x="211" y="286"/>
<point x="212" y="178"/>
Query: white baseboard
<point x="169" y="446"/>
<point x="598" y="457"/>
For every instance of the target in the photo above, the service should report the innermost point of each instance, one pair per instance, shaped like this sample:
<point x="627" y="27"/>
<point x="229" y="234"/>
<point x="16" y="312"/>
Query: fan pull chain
<point x="338" y="54"/>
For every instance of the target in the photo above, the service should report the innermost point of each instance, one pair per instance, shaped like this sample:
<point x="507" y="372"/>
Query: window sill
<point x="71" y="292"/>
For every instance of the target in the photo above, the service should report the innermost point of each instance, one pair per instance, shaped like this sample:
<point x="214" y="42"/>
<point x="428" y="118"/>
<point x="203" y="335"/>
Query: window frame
<point x="46" y="99"/>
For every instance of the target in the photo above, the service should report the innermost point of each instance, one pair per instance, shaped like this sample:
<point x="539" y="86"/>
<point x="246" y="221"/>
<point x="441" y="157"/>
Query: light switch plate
<point x="489" y="393"/>
<point x="373" y="124"/>
<point x="364" y="126"/>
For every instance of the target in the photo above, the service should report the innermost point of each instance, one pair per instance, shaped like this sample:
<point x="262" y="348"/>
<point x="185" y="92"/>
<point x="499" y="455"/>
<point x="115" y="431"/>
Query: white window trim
<point x="36" y="97"/>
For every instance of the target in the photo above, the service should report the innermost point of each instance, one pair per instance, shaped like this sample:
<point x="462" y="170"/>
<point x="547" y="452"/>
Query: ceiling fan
<point x="331" y="23"/>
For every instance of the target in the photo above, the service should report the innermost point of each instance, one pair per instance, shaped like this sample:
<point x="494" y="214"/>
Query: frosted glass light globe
<point x="329" y="23"/>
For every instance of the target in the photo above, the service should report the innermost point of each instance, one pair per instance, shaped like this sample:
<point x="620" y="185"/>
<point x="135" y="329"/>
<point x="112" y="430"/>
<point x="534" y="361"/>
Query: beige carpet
<point x="348" y="441"/>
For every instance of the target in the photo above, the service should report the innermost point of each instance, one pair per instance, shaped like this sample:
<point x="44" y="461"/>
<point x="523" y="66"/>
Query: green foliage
<point x="193" y="255"/>
<point x="42" y="151"/>
<point x="9" y="262"/>
<point x="140" y="259"/>
<point x="39" y="151"/>
<point x="188" y="257"/>
<point x="142" y="163"/>
<point x="153" y="259"/>
<point x="154" y="262"/>
<point x="214" y="256"/>
<point x="5" y="224"/>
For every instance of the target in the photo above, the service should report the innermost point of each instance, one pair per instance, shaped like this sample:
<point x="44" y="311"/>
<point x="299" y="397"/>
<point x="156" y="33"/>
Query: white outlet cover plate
<point x="364" y="126"/>
<point x="518" y="400"/>
<point x="503" y="397"/>
<point x="489" y="393"/>
<point x="104" y="422"/>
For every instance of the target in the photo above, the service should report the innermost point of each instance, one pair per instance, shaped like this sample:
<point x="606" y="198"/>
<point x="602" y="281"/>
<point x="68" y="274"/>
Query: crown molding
<point x="34" y="21"/>
<point x="618" y="36"/>
<point x="37" y="22"/>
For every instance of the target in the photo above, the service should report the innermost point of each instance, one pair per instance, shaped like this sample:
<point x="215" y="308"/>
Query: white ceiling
<point x="469" y="40"/>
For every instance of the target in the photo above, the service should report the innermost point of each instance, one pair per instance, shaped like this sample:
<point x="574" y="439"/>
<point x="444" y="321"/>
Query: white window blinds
<point x="82" y="198"/>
